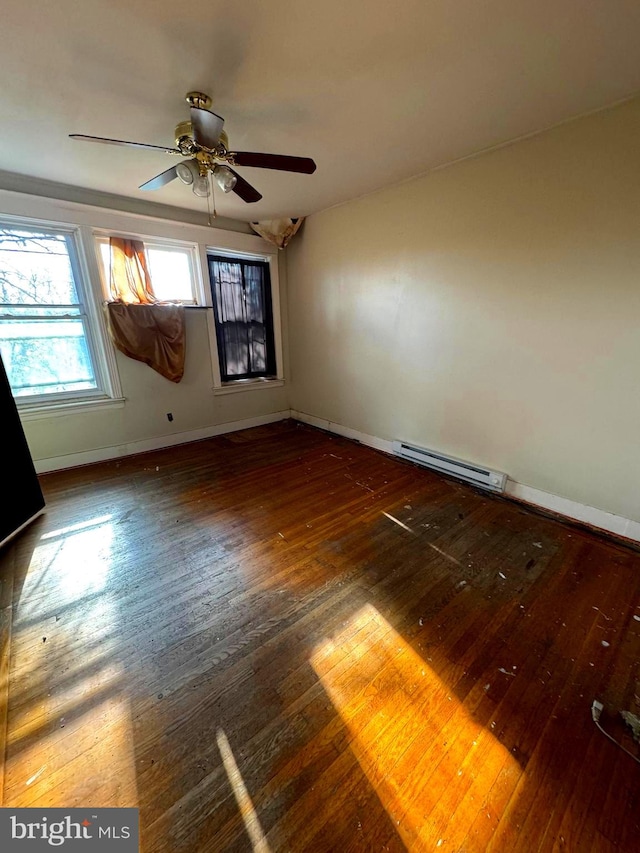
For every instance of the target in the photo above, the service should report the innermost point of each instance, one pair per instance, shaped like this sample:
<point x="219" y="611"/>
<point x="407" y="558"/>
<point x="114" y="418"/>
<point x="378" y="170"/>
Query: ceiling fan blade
<point x="84" y="138"/>
<point x="282" y="162"/>
<point x="160" y="180"/>
<point x="245" y="190"/>
<point x="207" y="127"/>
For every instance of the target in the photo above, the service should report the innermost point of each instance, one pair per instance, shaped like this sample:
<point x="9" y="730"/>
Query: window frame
<point x="267" y="309"/>
<point x="102" y="236"/>
<point x="234" y="386"/>
<point x="108" y="390"/>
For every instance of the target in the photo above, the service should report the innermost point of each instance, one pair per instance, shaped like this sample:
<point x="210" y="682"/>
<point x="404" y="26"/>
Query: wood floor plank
<point x="279" y="637"/>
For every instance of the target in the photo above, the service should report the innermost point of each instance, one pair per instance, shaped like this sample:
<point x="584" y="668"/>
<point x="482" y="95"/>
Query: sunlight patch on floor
<point x="69" y="739"/>
<point x="397" y="521"/>
<point x="74" y="528"/>
<point x="247" y="810"/>
<point x="75" y="760"/>
<point x="434" y="769"/>
<point x="67" y="565"/>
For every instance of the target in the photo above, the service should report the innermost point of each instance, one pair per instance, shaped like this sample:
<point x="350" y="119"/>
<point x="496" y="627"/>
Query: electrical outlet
<point x="169" y="416"/>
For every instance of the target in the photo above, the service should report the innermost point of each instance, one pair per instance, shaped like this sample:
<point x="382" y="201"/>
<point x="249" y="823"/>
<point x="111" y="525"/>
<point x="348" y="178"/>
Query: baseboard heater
<point x="467" y="471"/>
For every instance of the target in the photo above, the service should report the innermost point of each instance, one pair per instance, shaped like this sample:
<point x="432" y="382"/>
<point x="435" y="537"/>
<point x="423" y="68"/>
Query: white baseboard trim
<point x="599" y="518"/>
<point x="345" y="432"/>
<point x="102" y="454"/>
<point x="594" y="517"/>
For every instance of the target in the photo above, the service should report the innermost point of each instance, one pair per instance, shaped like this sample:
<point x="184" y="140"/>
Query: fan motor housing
<point x="198" y="99"/>
<point x="185" y="128"/>
<point x="184" y="134"/>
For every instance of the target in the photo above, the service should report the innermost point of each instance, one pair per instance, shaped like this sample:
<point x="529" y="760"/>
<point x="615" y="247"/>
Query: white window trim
<point x="236" y="386"/>
<point x="55" y="410"/>
<point x="109" y="391"/>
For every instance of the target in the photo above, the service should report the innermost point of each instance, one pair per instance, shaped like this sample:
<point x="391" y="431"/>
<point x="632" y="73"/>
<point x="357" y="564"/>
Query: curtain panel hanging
<point x="141" y="327"/>
<point x="129" y="278"/>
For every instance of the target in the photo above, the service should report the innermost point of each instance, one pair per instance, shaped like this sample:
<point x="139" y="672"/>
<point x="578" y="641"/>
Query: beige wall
<point x="148" y="398"/>
<point x="490" y="310"/>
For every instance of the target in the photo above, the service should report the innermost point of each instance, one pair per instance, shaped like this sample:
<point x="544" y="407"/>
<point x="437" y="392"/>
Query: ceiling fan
<point x="206" y="144"/>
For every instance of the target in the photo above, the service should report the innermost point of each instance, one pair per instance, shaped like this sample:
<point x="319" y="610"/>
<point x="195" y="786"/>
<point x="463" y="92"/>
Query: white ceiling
<point x="375" y="92"/>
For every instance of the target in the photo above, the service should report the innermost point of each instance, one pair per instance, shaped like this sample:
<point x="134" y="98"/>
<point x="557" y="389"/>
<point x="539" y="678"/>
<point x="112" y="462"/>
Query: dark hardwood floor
<point x="279" y="640"/>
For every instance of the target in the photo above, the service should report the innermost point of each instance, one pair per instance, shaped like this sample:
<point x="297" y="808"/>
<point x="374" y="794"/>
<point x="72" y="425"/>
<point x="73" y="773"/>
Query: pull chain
<point x="211" y="200"/>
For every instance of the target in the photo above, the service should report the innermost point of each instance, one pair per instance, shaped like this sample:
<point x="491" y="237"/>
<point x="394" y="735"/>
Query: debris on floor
<point x="506" y="672"/>
<point x="633" y="722"/>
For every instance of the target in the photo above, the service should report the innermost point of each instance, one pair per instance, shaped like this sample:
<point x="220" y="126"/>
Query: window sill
<point x="68" y="407"/>
<point x="241" y="385"/>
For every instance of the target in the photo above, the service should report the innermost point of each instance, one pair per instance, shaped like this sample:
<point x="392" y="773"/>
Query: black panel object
<point x="22" y="496"/>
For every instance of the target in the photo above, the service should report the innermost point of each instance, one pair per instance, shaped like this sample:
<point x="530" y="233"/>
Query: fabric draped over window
<point x="277" y="231"/>
<point x="153" y="334"/>
<point x="129" y="278"/>
<point x="141" y="327"/>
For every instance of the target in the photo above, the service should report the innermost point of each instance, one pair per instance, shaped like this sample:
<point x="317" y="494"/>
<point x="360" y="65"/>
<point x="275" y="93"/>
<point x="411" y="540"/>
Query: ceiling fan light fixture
<point x="225" y="178"/>
<point x="185" y="172"/>
<point x="201" y="186"/>
<point x="203" y="140"/>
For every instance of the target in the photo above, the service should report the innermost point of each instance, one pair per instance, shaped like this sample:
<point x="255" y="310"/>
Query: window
<point x="47" y="340"/>
<point x="241" y="291"/>
<point x="171" y="268"/>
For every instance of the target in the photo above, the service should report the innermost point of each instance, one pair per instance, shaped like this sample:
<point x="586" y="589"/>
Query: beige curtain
<point x="141" y="327"/>
<point x="153" y="334"/>
<point x="129" y="278"/>
<point x="277" y="231"/>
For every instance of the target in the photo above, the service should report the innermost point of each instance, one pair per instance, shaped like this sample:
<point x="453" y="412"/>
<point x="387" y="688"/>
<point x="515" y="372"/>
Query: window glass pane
<point x="254" y="277"/>
<point x="171" y="271"/>
<point x="42" y="321"/>
<point x="171" y="274"/>
<point x="258" y="347"/>
<point x="231" y="310"/>
<point x="230" y="293"/>
<point x="46" y="356"/>
<point x="35" y="269"/>
<point x="236" y="347"/>
<point x="105" y="254"/>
